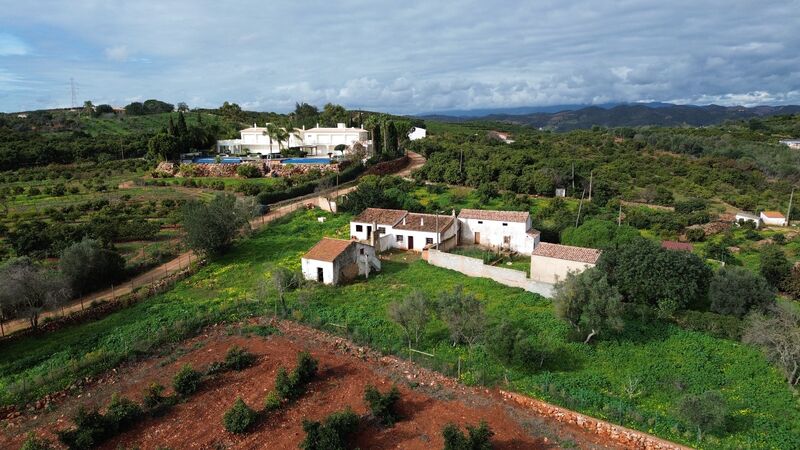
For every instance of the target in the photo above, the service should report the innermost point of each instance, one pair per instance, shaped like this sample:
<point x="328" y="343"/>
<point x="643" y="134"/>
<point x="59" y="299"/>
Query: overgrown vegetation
<point x="477" y="438"/>
<point x="383" y="406"/>
<point x="331" y="434"/>
<point x="667" y="362"/>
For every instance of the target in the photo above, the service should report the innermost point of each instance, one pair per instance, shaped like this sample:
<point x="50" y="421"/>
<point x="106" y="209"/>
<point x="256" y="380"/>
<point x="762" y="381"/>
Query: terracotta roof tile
<point x="381" y="216"/>
<point x="773" y="214"/>
<point x="499" y="216"/>
<point x="679" y="246"/>
<point x="328" y="249"/>
<point x="567" y="252"/>
<point x="425" y="222"/>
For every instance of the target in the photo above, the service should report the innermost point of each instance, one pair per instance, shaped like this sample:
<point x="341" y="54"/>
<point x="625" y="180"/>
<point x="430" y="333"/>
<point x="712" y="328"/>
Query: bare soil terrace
<point x="428" y="400"/>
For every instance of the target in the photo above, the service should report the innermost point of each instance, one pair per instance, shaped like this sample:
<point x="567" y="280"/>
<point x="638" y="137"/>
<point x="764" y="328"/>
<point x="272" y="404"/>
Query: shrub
<point x="35" y="443"/>
<point x="706" y="411"/>
<point x="283" y="385"/>
<point x="333" y="434"/>
<point x="306" y="367"/>
<point x="121" y="414"/>
<point x="736" y="291"/>
<point x="90" y="430"/>
<point x="383" y="406"/>
<point x="272" y="402"/>
<point x="238" y="358"/>
<point x="239" y="418"/>
<point x="695" y="234"/>
<point x="186" y="381"/>
<point x="153" y="398"/>
<point x="478" y="438"/>
<point x="717" y="325"/>
<point x="248" y="171"/>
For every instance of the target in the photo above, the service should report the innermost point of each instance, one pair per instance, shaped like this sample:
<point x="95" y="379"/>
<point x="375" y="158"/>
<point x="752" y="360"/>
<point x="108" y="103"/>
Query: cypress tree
<point x="171" y="127"/>
<point x="183" y="130"/>
<point x="390" y="145"/>
<point x="376" y="139"/>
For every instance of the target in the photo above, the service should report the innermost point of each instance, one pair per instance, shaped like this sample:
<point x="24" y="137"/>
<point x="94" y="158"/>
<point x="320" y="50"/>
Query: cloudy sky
<point x="405" y="57"/>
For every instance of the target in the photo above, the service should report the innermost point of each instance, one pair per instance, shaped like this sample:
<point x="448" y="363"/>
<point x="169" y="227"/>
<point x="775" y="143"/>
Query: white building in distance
<point x="791" y="143"/>
<point x="500" y="230"/>
<point x="772" y="218"/>
<point x="417" y="133"/>
<point x="316" y="141"/>
<point x="743" y="216"/>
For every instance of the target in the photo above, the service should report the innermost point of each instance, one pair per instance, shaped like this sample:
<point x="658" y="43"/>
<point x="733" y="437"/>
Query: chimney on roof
<point x="422" y="221"/>
<point x="404" y="220"/>
<point x="340" y="125"/>
<point x="254" y="124"/>
<point x="317" y="124"/>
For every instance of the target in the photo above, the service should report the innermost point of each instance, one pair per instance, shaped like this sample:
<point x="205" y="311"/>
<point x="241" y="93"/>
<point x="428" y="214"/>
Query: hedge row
<point x="299" y="190"/>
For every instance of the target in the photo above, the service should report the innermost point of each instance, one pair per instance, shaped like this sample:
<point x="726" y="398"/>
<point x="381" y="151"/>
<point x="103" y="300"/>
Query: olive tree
<point x="735" y="290"/>
<point x="87" y="265"/>
<point x="412" y="314"/>
<point x="31" y="289"/>
<point x="211" y="227"/>
<point x="464" y="315"/>
<point x="777" y="332"/>
<point x="589" y="303"/>
<point x="706" y="411"/>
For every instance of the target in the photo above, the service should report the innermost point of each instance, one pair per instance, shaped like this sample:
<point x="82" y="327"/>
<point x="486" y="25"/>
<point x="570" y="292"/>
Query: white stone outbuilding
<point x="499" y="230"/>
<point x="550" y="263"/>
<point x="333" y="261"/>
<point x="773" y="218"/>
<point x="417" y="133"/>
<point x="743" y="216"/>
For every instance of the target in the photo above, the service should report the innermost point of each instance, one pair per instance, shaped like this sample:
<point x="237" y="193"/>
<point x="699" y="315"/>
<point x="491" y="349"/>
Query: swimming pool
<point x="214" y="160"/>
<point x="306" y="161"/>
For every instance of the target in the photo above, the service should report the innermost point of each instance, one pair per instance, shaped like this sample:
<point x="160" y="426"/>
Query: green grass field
<point x="662" y="361"/>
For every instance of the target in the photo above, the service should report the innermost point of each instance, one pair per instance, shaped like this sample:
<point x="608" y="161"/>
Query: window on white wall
<point x="359" y="228"/>
<point x="399" y="238"/>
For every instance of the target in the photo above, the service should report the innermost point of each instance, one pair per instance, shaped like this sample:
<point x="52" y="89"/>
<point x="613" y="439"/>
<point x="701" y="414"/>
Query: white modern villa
<point x="317" y="141"/>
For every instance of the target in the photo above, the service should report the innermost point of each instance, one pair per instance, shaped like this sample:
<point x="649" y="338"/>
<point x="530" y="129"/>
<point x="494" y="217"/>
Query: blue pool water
<point x="213" y="160"/>
<point x="306" y="161"/>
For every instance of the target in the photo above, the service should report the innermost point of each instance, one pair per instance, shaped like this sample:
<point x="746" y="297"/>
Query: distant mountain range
<point x="571" y="117"/>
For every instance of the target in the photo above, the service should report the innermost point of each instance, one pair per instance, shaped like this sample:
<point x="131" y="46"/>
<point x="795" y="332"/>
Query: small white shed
<point x="333" y="261"/>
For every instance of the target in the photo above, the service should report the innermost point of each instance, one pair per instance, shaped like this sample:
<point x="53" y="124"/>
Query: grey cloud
<point x="411" y="56"/>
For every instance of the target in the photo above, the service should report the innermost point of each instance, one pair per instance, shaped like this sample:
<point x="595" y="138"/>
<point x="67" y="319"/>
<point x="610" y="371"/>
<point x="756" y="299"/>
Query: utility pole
<point x="580" y="205"/>
<point x="573" y="178"/>
<point x="789" y="212"/>
<point x="591" y="173"/>
<point x="619" y="216"/>
<point x="73" y="92"/>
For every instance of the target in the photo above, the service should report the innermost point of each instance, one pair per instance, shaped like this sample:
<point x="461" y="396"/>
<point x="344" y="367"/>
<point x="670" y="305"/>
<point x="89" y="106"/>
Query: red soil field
<point x="344" y="371"/>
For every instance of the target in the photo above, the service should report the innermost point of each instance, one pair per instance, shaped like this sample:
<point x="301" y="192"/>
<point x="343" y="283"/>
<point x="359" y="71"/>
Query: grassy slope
<point x="667" y="361"/>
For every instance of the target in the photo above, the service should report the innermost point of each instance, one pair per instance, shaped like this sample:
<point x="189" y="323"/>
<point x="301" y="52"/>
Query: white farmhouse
<point x="255" y="140"/>
<point x="550" y="263"/>
<point x="417" y="133"/>
<point x="321" y="140"/>
<point x="773" y="218"/>
<point x="376" y="226"/>
<point x="333" y="261"/>
<point x="501" y="230"/>
<point x="395" y="228"/>
<point x="317" y="141"/>
<point x="743" y="216"/>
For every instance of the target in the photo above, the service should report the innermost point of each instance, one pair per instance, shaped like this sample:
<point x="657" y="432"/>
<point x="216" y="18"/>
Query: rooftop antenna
<point x="73" y="91"/>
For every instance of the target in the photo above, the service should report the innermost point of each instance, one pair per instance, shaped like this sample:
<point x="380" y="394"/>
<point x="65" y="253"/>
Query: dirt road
<point x="183" y="260"/>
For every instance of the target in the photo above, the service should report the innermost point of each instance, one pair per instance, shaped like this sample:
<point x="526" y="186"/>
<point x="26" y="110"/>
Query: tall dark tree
<point x="648" y="274"/>
<point x="87" y="265"/>
<point x="377" y="140"/>
<point x="774" y="265"/>
<point x="736" y="291"/>
<point x="390" y="146"/>
<point x="181" y="127"/>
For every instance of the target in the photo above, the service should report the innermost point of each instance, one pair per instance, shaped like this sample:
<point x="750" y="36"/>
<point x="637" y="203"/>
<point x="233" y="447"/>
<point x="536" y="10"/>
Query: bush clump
<point x="248" y="171"/>
<point x="332" y="434"/>
<point x="239" y="418"/>
<point x="290" y="386"/>
<point x="154" y="400"/>
<point x="89" y="431"/>
<point x="36" y="443"/>
<point x="238" y="358"/>
<point x="383" y="406"/>
<point x="477" y="438"/>
<point x="122" y="414"/>
<point x="186" y="381"/>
